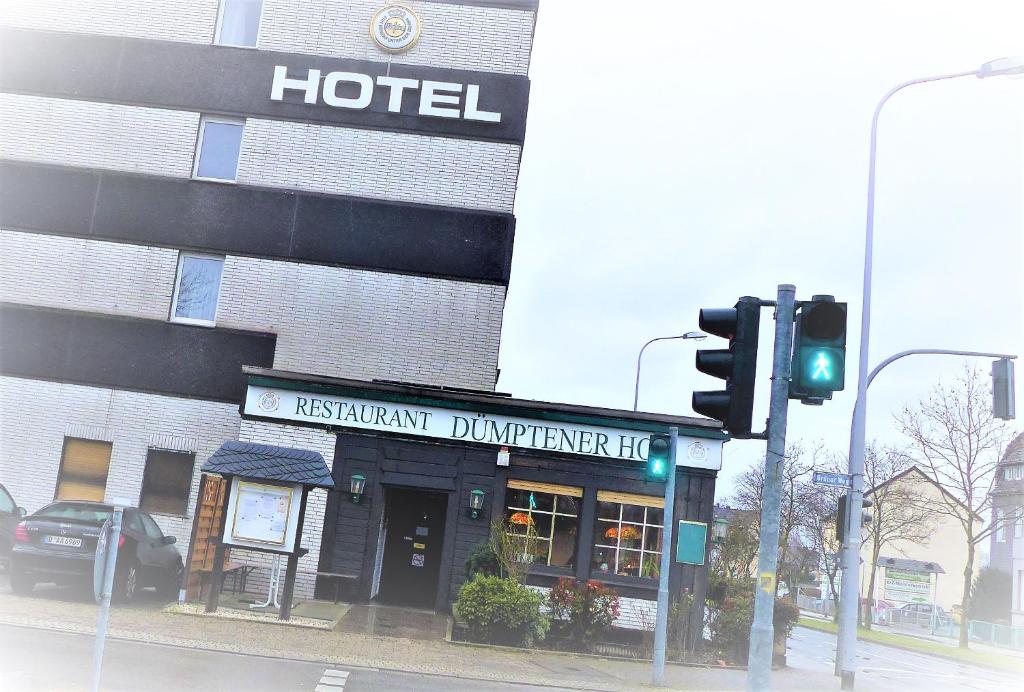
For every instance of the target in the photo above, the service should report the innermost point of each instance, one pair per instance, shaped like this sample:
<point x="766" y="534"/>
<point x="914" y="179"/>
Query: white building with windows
<point x="166" y="219"/>
<point x="1006" y="551"/>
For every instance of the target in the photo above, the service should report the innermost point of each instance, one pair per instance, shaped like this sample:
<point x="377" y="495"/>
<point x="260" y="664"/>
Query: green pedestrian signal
<point x="819" y="350"/>
<point x="659" y="458"/>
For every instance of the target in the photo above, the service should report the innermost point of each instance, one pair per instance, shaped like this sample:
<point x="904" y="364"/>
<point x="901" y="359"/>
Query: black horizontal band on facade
<point x="129" y="353"/>
<point x="237" y="81"/>
<point x="257" y="222"/>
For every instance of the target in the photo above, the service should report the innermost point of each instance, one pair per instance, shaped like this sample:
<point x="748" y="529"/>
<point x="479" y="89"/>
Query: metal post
<point x="762" y="632"/>
<point x="661" y="622"/>
<point x="849" y="600"/>
<point x="108" y="588"/>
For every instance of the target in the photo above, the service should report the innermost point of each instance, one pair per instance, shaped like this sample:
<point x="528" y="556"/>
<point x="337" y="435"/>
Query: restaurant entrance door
<point x="414" y="538"/>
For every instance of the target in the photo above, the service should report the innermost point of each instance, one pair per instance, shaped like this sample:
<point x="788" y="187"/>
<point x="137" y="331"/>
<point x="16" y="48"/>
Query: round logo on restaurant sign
<point x="270" y="401"/>
<point x="395" y="28"/>
<point x="697" y="452"/>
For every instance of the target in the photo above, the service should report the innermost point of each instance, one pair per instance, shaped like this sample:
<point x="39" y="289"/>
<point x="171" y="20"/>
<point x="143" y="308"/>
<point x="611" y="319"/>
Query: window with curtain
<point x="627" y="535"/>
<point x="546" y="518"/>
<point x="83" y="470"/>
<point x="239" y="22"/>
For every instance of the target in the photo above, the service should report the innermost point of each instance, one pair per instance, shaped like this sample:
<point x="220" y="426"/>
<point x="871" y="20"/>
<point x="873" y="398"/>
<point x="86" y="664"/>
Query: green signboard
<point x="690" y="545"/>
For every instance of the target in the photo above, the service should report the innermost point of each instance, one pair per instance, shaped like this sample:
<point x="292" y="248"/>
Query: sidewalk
<point x="434" y="656"/>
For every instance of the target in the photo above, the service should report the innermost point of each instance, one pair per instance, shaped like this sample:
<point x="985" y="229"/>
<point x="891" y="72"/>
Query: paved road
<point x="884" y="668"/>
<point x="34" y="660"/>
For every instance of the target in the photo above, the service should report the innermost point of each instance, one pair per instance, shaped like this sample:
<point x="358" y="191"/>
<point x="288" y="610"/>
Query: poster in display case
<point x="263" y="515"/>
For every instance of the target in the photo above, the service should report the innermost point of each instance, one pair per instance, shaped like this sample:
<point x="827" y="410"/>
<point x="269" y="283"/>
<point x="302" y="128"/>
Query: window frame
<point x="200" y="137"/>
<point x="549" y="489"/>
<point x="188" y="487"/>
<point x="599" y="541"/>
<point x="219" y="25"/>
<point x="173" y="317"/>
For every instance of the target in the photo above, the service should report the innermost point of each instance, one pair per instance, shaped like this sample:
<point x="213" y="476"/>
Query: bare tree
<point x="899" y="512"/>
<point x="793" y="556"/>
<point x="958" y="444"/>
<point x="734" y="556"/>
<point x="821" y="505"/>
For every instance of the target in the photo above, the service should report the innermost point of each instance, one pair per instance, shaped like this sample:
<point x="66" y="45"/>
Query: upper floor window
<point x="1013" y="472"/>
<point x="239" y="22"/>
<point x="627" y="538"/>
<point x="218" y="148"/>
<point x="197" y="290"/>
<point x="545" y="518"/>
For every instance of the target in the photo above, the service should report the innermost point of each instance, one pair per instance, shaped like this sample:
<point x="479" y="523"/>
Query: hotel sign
<point x="468" y="426"/>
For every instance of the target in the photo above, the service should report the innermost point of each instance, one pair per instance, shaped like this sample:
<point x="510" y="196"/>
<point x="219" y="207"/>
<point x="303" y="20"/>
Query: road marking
<point x="332" y="681"/>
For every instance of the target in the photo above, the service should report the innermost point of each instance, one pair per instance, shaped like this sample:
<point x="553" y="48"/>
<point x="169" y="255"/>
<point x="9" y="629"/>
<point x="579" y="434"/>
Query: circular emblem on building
<point x="697" y="452"/>
<point x="270" y="401"/>
<point x="395" y="28"/>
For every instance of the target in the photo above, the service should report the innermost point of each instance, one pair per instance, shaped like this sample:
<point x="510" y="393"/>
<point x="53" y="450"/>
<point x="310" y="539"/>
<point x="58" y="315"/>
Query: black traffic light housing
<point x="843" y="509"/>
<point x="659" y="458"/>
<point x="737" y="365"/>
<point x="819" y="350"/>
<point x="1003" y="395"/>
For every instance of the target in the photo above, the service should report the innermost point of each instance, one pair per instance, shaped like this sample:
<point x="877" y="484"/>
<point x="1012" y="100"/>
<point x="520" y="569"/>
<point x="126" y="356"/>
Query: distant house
<point x="946" y="546"/>
<point x="1007" y="542"/>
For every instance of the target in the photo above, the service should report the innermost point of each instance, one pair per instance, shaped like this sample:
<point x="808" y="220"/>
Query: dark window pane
<point x="633" y="513"/>
<point x="517" y="498"/>
<point x="542" y="523"/>
<point x="167" y="482"/>
<point x="198" y="288"/>
<point x="603" y="560"/>
<point x="652" y="538"/>
<point x="608" y="510"/>
<point x="563" y="543"/>
<point x="218" y="152"/>
<point x="629" y="563"/>
<point x="565" y="504"/>
<point x="655" y="516"/>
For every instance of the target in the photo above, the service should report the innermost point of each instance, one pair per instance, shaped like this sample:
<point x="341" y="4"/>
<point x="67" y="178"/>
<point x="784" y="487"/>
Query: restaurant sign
<point x="469" y="426"/>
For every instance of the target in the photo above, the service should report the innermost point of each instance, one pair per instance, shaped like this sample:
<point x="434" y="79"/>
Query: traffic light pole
<point x="762" y="632"/>
<point x="849" y="598"/>
<point x="661" y="622"/>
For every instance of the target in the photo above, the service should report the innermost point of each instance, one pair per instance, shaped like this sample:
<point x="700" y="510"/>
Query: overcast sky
<point x="680" y="155"/>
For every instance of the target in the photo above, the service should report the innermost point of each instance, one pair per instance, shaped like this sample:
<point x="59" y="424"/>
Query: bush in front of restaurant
<point x="731" y="614"/>
<point x="482" y="560"/>
<point x="583" y="610"/>
<point x="501" y="611"/>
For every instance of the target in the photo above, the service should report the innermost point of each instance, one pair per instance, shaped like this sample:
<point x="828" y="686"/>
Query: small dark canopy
<point x="910" y="565"/>
<point x="270" y="463"/>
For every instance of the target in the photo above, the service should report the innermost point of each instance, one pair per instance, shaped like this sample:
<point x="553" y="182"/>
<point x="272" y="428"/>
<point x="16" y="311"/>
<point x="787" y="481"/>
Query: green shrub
<point x="585" y="609"/>
<point x="501" y="611"/>
<point x="731" y="613"/>
<point x="482" y="560"/>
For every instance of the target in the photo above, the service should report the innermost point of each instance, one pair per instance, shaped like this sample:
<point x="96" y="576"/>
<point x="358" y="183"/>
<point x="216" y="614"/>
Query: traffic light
<point x="819" y="350"/>
<point x="843" y="509"/>
<point x="659" y="457"/>
<point x="737" y="365"/>
<point x="1003" y="404"/>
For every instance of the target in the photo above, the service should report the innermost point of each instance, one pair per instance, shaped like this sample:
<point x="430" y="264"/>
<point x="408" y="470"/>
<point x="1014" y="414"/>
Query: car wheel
<point x="22" y="582"/>
<point x="168" y="589"/>
<point x="126" y="584"/>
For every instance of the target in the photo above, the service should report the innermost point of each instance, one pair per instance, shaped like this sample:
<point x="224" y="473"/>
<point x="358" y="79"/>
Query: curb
<point x="283" y="656"/>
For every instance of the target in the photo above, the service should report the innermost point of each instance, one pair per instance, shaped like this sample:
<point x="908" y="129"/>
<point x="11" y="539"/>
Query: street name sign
<point x="838" y="480"/>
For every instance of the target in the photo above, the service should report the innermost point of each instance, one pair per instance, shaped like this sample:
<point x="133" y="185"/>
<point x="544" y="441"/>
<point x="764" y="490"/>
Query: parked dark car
<point x="58" y="544"/>
<point x="10" y="515"/>
<point x="920" y="614"/>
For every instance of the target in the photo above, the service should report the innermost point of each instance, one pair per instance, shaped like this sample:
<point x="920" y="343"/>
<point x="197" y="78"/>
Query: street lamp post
<point x="849" y="601"/>
<point x="636" y="387"/>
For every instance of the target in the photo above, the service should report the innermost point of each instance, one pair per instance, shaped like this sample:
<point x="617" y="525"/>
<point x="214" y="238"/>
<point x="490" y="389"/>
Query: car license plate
<point x="63" y="540"/>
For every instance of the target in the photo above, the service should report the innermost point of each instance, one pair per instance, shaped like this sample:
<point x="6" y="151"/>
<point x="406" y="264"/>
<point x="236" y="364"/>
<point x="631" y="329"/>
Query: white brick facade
<point x="151" y="141"/>
<point x="316" y="158"/>
<point x="316" y="504"/>
<point x="380" y="165"/>
<point x="453" y="36"/>
<point x="329" y="320"/>
<point x="35" y="417"/>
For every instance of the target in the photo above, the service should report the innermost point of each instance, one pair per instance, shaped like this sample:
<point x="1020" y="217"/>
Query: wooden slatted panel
<point x="208" y="521"/>
<point x="515" y="484"/>
<point x="630" y="498"/>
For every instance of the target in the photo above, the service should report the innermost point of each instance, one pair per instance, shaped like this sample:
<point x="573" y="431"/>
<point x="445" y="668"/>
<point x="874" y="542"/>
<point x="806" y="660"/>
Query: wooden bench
<point x="239" y="572"/>
<point x="338" y="580"/>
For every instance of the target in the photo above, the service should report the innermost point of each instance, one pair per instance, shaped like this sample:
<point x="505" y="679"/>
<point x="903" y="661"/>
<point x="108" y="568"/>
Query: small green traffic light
<point x="659" y="454"/>
<point x="819" y="350"/>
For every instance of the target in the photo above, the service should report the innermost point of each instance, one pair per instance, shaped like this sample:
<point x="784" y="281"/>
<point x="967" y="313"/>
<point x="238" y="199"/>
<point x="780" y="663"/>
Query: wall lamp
<point x="356" y="487"/>
<point x="476" y="502"/>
